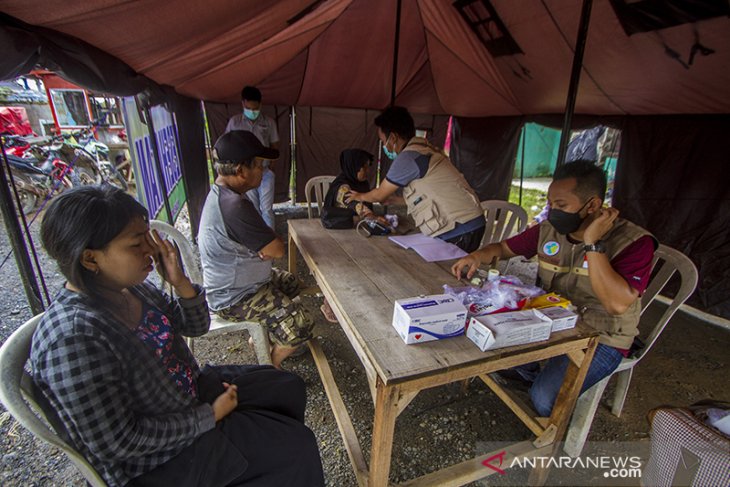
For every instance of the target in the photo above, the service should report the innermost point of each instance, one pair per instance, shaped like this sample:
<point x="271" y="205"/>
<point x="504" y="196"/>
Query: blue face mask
<point x="251" y="114"/>
<point x="391" y="155"/>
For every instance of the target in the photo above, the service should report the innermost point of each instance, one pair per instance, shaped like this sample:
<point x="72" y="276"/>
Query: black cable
<point x="26" y="228"/>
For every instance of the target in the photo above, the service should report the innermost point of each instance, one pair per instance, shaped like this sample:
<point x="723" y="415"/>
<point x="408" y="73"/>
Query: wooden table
<point x="361" y="278"/>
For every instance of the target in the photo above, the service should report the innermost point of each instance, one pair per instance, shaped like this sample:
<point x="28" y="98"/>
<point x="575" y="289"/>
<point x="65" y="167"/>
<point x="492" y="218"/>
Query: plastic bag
<point x="507" y="293"/>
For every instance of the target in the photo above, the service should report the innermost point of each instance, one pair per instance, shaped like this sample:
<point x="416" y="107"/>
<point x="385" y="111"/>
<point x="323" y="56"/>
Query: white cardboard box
<point x="427" y="318"/>
<point x="563" y="319"/>
<point x="508" y="329"/>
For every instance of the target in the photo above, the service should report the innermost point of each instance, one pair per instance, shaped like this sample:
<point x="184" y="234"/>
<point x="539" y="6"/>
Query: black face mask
<point x="564" y="222"/>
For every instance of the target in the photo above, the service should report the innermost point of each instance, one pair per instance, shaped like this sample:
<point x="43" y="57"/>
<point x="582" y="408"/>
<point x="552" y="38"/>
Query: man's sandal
<point x="329" y="315"/>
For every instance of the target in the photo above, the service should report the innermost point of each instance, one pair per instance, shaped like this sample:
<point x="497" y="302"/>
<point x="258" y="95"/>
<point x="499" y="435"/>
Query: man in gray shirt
<point x="236" y="249"/>
<point x="264" y="128"/>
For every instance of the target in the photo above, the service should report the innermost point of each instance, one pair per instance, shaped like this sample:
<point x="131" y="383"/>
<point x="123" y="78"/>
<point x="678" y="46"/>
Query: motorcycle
<point x="15" y="145"/>
<point x="35" y="183"/>
<point x="85" y="140"/>
<point x="83" y="167"/>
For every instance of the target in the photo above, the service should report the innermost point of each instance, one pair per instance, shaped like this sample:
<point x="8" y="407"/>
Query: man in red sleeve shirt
<point x="587" y="254"/>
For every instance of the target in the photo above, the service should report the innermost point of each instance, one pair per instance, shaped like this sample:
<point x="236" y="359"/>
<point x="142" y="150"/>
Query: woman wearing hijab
<point x="354" y="175"/>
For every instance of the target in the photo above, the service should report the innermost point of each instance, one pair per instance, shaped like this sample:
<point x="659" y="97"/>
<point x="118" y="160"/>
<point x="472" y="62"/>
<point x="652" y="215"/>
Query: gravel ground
<point x="442" y="426"/>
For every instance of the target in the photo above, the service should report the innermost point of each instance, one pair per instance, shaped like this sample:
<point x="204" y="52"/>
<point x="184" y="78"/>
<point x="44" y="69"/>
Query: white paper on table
<point x="429" y="248"/>
<point x="434" y="252"/>
<point x="409" y="241"/>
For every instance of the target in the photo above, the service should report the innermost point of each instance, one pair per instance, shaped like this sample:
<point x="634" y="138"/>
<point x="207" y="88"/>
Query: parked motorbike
<point x="35" y="183"/>
<point x="15" y="145"/>
<point x="83" y="167"/>
<point x="85" y="140"/>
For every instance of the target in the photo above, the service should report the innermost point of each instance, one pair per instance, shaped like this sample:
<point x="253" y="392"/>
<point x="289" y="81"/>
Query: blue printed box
<point x="428" y="318"/>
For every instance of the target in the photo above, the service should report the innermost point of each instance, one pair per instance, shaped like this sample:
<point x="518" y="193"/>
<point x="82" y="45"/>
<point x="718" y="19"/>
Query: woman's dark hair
<point x="398" y="120"/>
<point x="88" y="217"/>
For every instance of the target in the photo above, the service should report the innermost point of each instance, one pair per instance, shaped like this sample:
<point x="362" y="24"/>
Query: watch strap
<point x="595" y="247"/>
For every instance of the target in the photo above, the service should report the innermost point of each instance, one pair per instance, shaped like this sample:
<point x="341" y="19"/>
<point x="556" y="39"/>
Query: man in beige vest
<point x="587" y="254"/>
<point x="438" y="197"/>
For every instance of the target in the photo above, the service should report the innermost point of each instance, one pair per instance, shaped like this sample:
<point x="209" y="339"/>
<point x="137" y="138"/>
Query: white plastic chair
<point x="18" y="396"/>
<point x="504" y="219"/>
<point x="671" y="261"/>
<point x="258" y="331"/>
<point x="320" y="185"/>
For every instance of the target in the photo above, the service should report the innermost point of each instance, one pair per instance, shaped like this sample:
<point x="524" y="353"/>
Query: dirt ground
<point x="442" y="426"/>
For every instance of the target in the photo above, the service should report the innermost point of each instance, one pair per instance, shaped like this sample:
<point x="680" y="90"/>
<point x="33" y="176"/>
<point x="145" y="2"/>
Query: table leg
<point x="292" y="255"/>
<point x="565" y="403"/>
<point x="386" y="412"/>
<point x="342" y="417"/>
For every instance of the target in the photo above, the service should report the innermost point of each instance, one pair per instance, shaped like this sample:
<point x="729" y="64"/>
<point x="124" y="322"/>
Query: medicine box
<point x="563" y="319"/>
<point x="508" y="329"/>
<point x="428" y="318"/>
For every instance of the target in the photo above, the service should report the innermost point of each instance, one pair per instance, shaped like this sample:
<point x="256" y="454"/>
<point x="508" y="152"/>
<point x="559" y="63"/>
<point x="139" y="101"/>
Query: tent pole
<point x="522" y="161"/>
<point x="293" y="156"/>
<point x="380" y="155"/>
<point x="580" y="44"/>
<point x="208" y="143"/>
<point x="395" y="54"/>
<point x="20" y="250"/>
<point x="158" y="165"/>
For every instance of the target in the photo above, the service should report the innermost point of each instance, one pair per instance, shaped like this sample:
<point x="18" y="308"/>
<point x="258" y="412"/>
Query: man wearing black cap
<point x="237" y="246"/>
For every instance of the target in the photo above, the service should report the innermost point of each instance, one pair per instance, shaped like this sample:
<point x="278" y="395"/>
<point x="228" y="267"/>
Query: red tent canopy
<point x="339" y="53"/>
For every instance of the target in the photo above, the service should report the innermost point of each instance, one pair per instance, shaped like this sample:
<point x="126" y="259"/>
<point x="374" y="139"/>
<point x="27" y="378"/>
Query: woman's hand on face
<point x="166" y="259"/>
<point x="167" y="263"/>
<point x="226" y="402"/>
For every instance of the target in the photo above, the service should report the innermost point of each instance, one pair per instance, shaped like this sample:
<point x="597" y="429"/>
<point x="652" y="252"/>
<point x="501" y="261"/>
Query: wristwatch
<point x="595" y="247"/>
